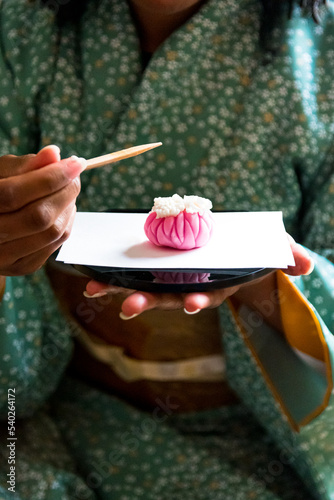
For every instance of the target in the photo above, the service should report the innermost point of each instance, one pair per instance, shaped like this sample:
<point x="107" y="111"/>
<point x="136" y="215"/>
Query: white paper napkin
<point x="239" y="240"/>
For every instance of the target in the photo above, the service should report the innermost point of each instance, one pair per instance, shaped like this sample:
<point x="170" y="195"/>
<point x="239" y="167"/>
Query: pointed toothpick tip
<point x="99" y="161"/>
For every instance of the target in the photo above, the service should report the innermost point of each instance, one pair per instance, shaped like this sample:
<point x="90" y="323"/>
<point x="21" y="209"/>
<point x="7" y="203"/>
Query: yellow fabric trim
<point x="297" y="317"/>
<point x="258" y="362"/>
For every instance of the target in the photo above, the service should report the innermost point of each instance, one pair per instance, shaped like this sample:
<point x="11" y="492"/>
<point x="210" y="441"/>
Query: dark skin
<point x="37" y="208"/>
<point x="157" y="19"/>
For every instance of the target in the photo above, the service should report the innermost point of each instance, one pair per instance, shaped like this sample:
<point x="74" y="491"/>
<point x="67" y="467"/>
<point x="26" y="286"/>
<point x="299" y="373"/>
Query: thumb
<point x="11" y="165"/>
<point x="47" y="155"/>
<point x="303" y="261"/>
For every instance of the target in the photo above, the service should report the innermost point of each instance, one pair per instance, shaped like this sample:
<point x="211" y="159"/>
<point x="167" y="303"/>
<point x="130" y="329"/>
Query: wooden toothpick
<point x="99" y="161"/>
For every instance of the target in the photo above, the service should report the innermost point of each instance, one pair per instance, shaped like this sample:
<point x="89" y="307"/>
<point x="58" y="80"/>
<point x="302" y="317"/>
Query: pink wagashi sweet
<point x="178" y="277"/>
<point x="182" y="223"/>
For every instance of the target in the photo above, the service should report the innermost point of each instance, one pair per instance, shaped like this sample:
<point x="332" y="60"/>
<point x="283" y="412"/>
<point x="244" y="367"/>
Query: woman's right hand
<point x="37" y="207"/>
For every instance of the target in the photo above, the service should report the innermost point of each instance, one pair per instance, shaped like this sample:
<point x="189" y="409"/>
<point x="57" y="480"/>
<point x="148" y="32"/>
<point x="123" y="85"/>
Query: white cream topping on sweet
<point x="172" y="205"/>
<point x="194" y="204"/>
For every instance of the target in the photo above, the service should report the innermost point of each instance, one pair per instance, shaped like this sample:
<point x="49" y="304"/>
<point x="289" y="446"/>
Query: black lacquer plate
<point x="172" y="280"/>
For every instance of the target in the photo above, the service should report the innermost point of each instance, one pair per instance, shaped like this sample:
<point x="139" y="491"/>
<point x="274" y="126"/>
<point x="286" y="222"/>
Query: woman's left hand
<point x="136" y="302"/>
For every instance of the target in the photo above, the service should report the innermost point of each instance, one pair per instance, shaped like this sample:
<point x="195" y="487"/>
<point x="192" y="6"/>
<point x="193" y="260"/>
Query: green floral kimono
<point x="247" y="129"/>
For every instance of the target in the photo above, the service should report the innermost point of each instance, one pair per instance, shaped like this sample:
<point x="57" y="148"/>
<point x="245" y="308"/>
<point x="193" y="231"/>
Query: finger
<point x="39" y="215"/>
<point x="98" y="289"/>
<point x="17" y="192"/>
<point x="139" y="302"/>
<point x="11" y="165"/>
<point x="12" y="251"/>
<point x="33" y="262"/>
<point x="194" y="302"/>
<point x="46" y="156"/>
<point x="304" y="264"/>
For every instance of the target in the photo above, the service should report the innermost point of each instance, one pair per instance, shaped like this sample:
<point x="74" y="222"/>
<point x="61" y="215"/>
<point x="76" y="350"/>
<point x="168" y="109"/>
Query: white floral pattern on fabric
<point x="247" y="132"/>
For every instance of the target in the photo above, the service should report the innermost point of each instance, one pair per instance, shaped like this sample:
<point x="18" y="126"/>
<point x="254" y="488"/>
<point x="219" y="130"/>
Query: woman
<point x="242" y="99"/>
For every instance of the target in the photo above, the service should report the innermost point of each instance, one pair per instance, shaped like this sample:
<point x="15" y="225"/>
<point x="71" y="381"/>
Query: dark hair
<point x="71" y="10"/>
<point x="274" y="11"/>
<point x="67" y="11"/>
<point x="271" y="7"/>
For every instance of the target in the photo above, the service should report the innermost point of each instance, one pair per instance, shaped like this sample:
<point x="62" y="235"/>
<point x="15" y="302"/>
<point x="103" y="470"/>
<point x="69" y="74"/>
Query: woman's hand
<point x="137" y="302"/>
<point x="37" y="207"/>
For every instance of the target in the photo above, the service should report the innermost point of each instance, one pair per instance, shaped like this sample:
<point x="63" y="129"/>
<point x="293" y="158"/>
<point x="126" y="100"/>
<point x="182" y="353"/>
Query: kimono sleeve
<point x="35" y="340"/>
<point x="298" y="367"/>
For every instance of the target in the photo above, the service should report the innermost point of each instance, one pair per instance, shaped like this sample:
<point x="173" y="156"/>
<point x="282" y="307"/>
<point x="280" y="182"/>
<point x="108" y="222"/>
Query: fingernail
<point x="95" y="295"/>
<point x="125" y="317"/>
<point x="77" y="159"/>
<point x="53" y="146"/>
<point x="311" y="268"/>
<point x="76" y="165"/>
<point x="191" y="312"/>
